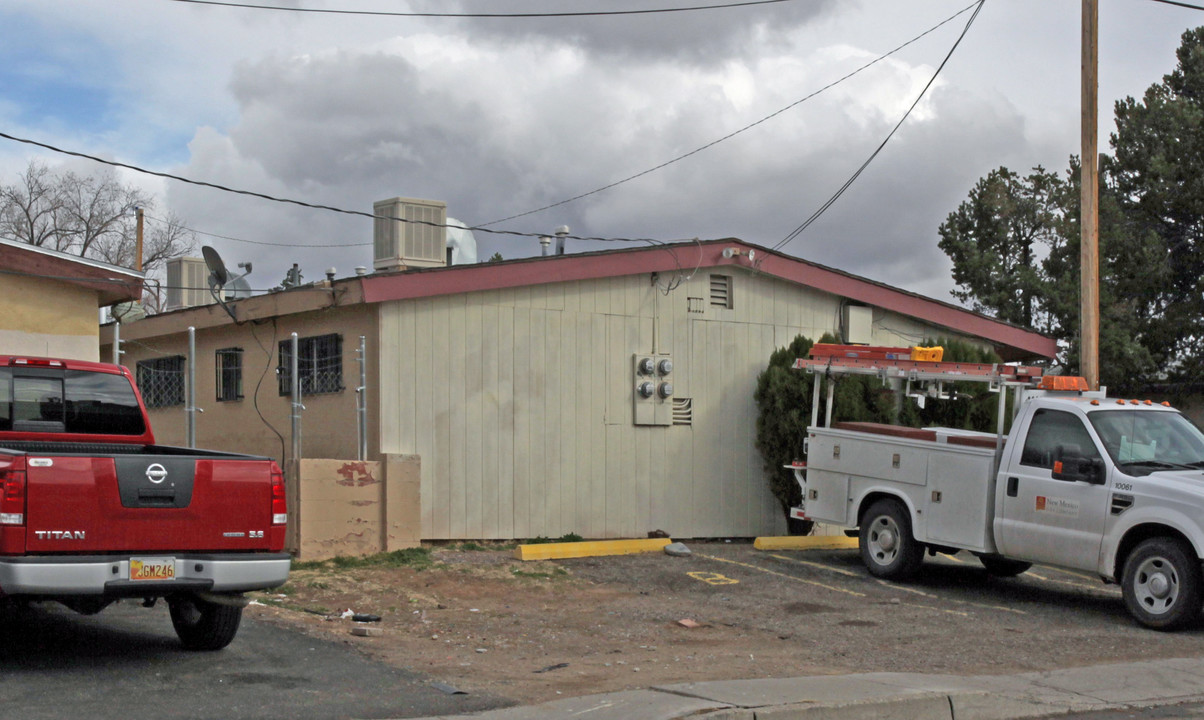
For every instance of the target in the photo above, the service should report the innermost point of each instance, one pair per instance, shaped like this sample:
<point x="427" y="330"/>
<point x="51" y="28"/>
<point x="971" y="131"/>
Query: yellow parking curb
<point x="806" y="542"/>
<point x="592" y="548"/>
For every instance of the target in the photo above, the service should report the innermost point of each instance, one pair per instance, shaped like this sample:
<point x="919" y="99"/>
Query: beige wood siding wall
<point x="519" y="403"/>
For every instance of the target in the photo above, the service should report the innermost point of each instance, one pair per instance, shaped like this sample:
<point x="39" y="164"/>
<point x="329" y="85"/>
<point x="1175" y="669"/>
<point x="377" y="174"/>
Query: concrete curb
<point x="591" y="548"/>
<point x="806" y="542"/>
<point x="1124" y="686"/>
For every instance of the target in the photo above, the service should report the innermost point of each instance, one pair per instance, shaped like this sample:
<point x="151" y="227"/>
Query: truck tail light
<point x="12" y="497"/>
<point x="279" y="504"/>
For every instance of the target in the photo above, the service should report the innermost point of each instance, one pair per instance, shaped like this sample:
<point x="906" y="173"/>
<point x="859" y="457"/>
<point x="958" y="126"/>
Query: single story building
<point x="535" y="391"/>
<point x="50" y="302"/>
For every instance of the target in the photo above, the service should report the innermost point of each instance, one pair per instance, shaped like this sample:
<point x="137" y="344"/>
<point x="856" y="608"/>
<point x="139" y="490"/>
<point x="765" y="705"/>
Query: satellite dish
<point x="217" y="269"/>
<point x="238" y="288"/>
<point x="218" y="277"/>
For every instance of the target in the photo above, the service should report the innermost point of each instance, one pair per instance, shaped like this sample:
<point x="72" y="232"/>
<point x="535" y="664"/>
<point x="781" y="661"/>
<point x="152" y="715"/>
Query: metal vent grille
<point x="409" y="233"/>
<point x="696" y="305"/>
<point x="721" y="291"/>
<point x="187" y="283"/>
<point x="683" y="411"/>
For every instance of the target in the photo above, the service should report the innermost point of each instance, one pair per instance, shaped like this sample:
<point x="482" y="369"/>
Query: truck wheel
<point x="888" y="548"/>
<point x="1003" y="567"/>
<point x="202" y="625"/>
<point x="1161" y="584"/>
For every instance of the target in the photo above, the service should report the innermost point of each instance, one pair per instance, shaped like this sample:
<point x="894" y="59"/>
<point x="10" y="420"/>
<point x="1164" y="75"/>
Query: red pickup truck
<point x="93" y="511"/>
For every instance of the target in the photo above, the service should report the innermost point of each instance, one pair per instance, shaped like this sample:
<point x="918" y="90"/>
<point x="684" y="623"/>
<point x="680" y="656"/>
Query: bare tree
<point x="92" y="216"/>
<point x="31" y="208"/>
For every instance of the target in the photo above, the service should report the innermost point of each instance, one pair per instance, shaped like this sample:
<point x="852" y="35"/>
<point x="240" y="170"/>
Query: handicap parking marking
<point x="711" y="578"/>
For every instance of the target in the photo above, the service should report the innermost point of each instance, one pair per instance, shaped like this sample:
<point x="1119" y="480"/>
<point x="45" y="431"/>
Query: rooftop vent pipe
<point x="562" y="232"/>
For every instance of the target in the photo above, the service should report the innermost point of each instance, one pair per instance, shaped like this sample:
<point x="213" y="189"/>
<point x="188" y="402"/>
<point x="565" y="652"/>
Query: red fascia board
<point x="538" y="271"/>
<point x="112" y="287"/>
<point x="930" y="311"/>
<point x="686" y="257"/>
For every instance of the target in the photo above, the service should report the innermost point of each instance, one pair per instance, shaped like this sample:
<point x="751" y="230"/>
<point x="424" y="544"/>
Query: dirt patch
<point x="481" y="621"/>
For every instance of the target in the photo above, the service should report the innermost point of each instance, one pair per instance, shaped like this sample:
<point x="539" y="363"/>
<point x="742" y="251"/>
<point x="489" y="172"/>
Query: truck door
<point x="1046" y="520"/>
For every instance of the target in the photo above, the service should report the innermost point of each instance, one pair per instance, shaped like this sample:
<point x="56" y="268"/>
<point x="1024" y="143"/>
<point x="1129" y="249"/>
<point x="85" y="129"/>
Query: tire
<point x="202" y="625"/>
<point x="1161" y="584"/>
<point x="1003" y="567"/>
<point x="888" y="548"/>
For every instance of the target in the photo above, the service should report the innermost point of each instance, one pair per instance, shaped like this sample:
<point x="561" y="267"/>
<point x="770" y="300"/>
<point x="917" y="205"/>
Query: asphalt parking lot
<point x="510" y="632"/>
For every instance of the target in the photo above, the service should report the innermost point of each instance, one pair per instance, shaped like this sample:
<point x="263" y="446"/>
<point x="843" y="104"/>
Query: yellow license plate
<point x="152" y="568"/>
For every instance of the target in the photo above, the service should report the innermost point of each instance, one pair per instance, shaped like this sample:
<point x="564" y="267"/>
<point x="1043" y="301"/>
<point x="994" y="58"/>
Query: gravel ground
<point x="481" y="621"/>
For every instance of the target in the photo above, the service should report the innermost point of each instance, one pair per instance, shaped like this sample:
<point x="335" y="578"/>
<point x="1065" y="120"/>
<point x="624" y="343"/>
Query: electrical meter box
<point x="652" y="389"/>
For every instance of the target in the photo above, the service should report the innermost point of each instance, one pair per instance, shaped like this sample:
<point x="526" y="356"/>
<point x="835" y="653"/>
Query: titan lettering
<point x="59" y="534"/>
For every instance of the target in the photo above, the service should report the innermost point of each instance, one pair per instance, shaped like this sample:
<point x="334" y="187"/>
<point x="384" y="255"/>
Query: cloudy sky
<point x="500" y="116"/>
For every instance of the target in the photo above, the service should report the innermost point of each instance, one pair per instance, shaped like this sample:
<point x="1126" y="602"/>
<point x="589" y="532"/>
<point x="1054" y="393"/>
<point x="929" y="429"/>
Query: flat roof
<point x="1012" y="341"/>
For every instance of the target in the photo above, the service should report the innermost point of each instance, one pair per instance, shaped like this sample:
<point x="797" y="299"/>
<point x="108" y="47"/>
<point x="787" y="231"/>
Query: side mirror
<point x="1071" y="465"/>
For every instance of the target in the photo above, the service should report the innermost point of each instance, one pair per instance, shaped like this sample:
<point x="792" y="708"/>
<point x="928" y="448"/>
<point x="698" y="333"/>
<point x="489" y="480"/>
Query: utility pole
<point x="1089" y="201"/>
<point x="138" y="236"/>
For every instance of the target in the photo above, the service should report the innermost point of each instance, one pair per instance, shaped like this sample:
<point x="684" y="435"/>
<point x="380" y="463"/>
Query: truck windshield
<point x="1141" y="442"/>
<point x="71" y="401"/>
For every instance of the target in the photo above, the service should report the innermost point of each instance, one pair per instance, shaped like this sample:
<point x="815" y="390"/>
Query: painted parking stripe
<point x="1100" y="588"/>
<point x="951" y="600"/>
<point x="813" y="564"/>
<point x="827" y="587"/>
<point x="904" y="588"/>
<point x="1071" y="573"/>
<point x="929" y="607"/>
<point x="854" y="593"/>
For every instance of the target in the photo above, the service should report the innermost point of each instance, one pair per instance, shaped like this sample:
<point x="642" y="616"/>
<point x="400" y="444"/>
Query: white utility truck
<point x="1110" y="486"/>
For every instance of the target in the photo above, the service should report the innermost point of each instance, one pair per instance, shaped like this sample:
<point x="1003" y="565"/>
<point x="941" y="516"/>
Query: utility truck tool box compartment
<point x="947" y="484"/>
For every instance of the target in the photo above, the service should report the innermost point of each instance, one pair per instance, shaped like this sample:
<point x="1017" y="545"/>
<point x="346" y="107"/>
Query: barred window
<point x="161" y="381"/>
<point x="228" y="364"/>
<point x="319" y="364"/>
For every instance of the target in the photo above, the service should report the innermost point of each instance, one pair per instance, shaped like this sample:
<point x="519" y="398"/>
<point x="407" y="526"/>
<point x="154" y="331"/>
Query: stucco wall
<point x="354" y="508"/>
<point x="260" y="422"/>
<point x="48" y="318"/>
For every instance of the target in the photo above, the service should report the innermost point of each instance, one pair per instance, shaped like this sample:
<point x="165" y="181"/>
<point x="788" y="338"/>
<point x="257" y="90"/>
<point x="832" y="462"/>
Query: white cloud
<point x="497" y="117"/>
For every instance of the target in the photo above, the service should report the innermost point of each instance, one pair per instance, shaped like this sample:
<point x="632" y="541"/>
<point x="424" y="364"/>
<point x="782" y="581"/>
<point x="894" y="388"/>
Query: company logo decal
<point x="1062" y="507"/>
<point x="156" y="473"/>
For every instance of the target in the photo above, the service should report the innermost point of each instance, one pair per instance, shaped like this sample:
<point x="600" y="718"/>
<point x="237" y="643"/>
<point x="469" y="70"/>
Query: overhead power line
<point x="733" y="134"/>
<point x="853" y="178"/>
<point x="383" y="13"/>
<point x="312" y="206"/>
<point x="258" y="242"/>
<point x="1180" y="4"/>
